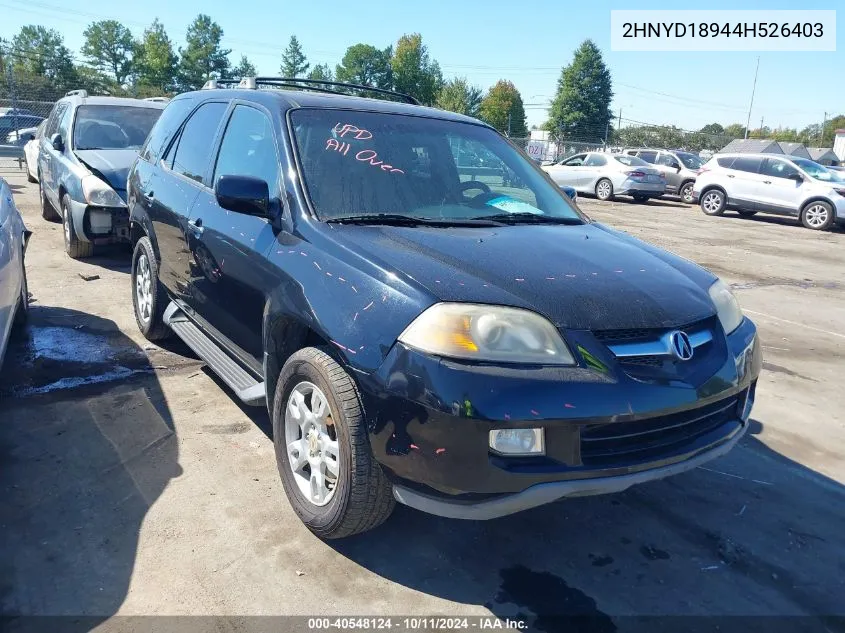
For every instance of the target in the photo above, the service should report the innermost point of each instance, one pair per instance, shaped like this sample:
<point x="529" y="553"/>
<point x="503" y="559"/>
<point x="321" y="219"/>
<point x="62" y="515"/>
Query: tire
<point x="747" y="214"/>
<point x="604" y="189"/>
<point x="640" y="199"/>
<point x="149" y="313"/>
<point x="47" y="210"/>
<point x="74" y="247"/>
<point x="713" y="202"/>
<point x="685" y="192"/>
<point x="22" y="311"/>
<point x="361" y="497"/>
<point x="817" y="215"/>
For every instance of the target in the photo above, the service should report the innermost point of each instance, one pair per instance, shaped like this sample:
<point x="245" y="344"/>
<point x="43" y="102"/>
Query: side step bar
<point x="247" y="388"/>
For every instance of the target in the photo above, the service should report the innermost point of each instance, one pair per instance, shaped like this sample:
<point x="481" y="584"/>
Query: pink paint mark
<point x="290" y="251"/>
<point x="355" y="318"/>
<point x="362" y="347"/>
<point x="340" y="278"/>
<point x="369" y="305"/>
<point x="329" y="274"/>
<point x="339" y="345"/>
<point x="460" y="283"/>
<point x="383" y="298"/>
<point x="222" y="261"/>
<point x="507" y="416"/>
<point x="642" y="270"/>
<point x="485" y="285"/>
<point x="618" y="271"/>
<point x="569" y="406"/>
<point x="318" y="266"/>
<point x="519" y="279"/>
<point x="550" y="278"/>
<point x="355" y="289"/>
<point x="437" y="281"/>
<point x="415" y="447"/>
<point x="570" y="276"/>
<point x="535" y="412"/>
<point x="242" y="235"/>
<point x="282" y="252"/>
<point x="303" y="253"/>
<point x="439" y="450"/>
<point x="351" y="351"/>
<point x="595" y="274"/>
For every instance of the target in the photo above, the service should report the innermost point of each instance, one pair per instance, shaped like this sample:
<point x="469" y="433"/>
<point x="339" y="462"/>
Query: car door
<point x="232" y="277"/>
<point x="594" y="167"/>
<point x="779" y="191"/>
<point x="670" y="167"/>
<point x="568" y="171"/>
<point x="742" y="182"/>
<point x="47" y="155"/>
<point x="171" y="190"/>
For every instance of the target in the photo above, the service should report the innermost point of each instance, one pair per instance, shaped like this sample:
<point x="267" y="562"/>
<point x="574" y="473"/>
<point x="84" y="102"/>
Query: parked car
<point x="20" y="137"/>
<point x="680" y="169"/>
<point x="84" y="155"/>
<point x="31" y="150"/>
<point x="10" y="123"/>
<point x="14" y="295"/>
<point x="468" y="348"/>
<point x="772" y="183"/>
<point x="609" y="175"/>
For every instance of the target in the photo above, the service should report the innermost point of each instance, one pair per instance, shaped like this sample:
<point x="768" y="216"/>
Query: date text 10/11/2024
<point x="416" y="623"/>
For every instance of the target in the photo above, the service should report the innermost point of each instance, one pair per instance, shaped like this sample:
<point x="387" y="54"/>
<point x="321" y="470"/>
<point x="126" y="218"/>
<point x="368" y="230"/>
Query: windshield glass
<point x="631" y="161"/>
<point x="112" y="126"/>
<point x="365" y="164"/>
<point x="819" y="172"/>
<point x="690" y="161"/>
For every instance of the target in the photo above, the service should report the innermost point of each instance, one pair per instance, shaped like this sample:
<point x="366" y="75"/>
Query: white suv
<point x="772" y="183"/>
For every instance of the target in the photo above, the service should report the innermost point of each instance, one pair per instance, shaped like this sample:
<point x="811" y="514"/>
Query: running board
<point x="239" y="380"/>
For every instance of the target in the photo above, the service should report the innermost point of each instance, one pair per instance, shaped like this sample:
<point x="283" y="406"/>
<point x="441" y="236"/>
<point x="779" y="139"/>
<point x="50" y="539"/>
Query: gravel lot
<point x="132" y="483"/>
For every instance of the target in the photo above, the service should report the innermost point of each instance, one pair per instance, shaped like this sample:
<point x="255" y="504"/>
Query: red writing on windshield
<point x="371" y="156"/>
<point x="345" y="129"/>
<point x="338" y="146"/>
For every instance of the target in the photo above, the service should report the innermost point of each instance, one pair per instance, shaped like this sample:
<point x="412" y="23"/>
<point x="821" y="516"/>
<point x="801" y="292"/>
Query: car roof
<point x="292" y="99"/>
<point x="750" y="155"/>
<point x="119" y="101"/>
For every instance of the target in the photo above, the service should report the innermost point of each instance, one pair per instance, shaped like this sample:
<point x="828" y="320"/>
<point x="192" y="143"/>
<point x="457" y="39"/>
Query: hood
<point x="111" y="164"/>
<point x="579" y="277"/>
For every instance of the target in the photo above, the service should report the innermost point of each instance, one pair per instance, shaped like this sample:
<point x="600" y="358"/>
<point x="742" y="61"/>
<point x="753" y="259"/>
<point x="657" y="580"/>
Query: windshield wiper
<point x="396" y="219"/>
<point x="528" y="218"/>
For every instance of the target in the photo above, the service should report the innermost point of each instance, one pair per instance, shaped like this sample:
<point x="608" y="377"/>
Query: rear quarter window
<point x="164" y="129"/>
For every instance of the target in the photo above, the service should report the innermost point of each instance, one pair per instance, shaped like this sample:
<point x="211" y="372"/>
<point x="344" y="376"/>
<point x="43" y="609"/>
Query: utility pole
<point x="821" y="134"/>
<point x="753" y="90"/>
<point x="620" y="119"/>
<point x="509" y="124"/>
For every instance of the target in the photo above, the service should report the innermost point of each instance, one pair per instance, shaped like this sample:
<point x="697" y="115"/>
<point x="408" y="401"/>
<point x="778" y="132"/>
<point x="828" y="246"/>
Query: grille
<point x="610" y="444"/>
<point x="617" y="336"/>
<point x="648" y="361"/>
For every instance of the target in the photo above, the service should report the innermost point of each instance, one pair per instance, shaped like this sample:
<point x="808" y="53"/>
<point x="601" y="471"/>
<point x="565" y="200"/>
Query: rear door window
<point x="747" y="163"/>
<point x="649" y="157"/>
<point x="595" y="160"/>
<point x="193" y="149"/>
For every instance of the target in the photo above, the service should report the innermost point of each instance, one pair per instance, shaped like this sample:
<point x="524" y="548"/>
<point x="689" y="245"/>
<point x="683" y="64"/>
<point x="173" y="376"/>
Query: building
<point x="839" y="145"/>
<point x="823" y="155"/>
<point x="752" y="146"/>
<point x="794" y="149"/>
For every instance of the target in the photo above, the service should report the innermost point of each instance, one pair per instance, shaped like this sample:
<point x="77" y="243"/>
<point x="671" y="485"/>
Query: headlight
<point x="98" y="193"/>
<point x="487" y="333"/>
<point x="727" y="307"/>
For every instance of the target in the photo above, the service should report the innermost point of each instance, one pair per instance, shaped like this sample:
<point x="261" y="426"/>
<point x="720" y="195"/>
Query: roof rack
<point x="316" y="85"/>
<point x="77" y="93"/>
<point x="157" y="99"/>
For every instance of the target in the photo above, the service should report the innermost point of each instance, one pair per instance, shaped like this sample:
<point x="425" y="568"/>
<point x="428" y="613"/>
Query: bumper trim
<point x="541" y="494"/>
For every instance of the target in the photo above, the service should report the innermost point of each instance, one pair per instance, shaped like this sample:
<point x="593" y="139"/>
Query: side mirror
<point x="57" y="142"/>
<point x="796" y="177"/>
<point x="243" y="194"/>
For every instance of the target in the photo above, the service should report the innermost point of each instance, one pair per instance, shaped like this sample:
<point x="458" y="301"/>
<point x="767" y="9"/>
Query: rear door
<point x="594" y="167"/>
<point x="777" y="192"/>
<point x="170" y="193"/>
<point x="743" y="180"/>
<point x="46" y="158"/>
<point x="233" y="279"/>
<point x="670" y="167"/>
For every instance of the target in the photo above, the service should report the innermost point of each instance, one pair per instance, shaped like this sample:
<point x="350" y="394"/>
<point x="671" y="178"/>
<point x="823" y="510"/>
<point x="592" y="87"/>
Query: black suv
<point x="465" y="342"/>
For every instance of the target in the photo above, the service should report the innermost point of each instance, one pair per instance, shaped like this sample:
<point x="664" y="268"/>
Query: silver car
<point x="680" y="169"/>
<point x="14" y="296"/>
<point x="608" y="175"/>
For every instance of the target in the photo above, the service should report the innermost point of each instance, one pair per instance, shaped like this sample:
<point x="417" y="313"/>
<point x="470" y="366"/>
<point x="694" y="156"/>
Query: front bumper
<point x="429" y="423"/>
<point x="100" y="225"/>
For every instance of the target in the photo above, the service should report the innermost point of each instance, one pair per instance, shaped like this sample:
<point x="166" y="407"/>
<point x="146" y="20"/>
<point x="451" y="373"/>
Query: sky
<point x="526" y="42"/>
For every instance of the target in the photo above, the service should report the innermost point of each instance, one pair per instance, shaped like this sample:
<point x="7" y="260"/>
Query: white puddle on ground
<point x="68" y="344"/>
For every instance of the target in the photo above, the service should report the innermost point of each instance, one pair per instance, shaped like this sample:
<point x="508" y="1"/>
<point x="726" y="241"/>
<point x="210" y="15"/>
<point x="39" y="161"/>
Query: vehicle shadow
<point x="87" y="445"/>
<point x="753" y="533"/>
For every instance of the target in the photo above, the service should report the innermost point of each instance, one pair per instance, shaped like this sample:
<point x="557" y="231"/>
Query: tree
<point x="40" y="51"/>
<point x="243" y="69"/>
<point x="366" y="65"/>
<point x="457" y="95"/>
<point x="414" y="72"/>
<point x="321" y="72"/>
<point x="735" y="130"/>
<point x="503" y="109"/>
<point x="109" y="47"/>
<point x="294" y="63"/>
<point x="581" y="107"/>
<point x="203" y="58"/>
<point x="712" y="128"/>
<point x="155" y="61"/>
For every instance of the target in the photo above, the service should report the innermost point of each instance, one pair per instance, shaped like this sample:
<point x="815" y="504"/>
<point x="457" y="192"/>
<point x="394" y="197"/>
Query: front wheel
<point x="74" y="247"/>
<point x="604" y="189"/>
<point x="686" y="192"/>
<point x="817" y="215"/>
<point x="22" y="312"/>
<point x="713" y="202"/>
<point x="148" y="297"/>
<point x="330" y="476"/>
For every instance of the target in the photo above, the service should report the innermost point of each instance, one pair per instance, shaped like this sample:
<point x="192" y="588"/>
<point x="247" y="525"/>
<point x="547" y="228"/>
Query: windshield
<point x="690" y="161"/>
<point x="369" y="164"/>
<point x="819" y="172"/>
<point x="631" y="161"/>
<point x="112" y="126"/>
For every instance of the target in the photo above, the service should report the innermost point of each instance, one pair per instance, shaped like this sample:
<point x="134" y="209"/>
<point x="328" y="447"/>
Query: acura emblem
<point x="680" y="345"/>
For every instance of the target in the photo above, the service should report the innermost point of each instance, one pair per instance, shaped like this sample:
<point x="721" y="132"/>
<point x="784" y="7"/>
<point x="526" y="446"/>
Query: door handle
<point x="731" y="176"/>
<point x="196" y="226"/>
<point x="767" y="182"/>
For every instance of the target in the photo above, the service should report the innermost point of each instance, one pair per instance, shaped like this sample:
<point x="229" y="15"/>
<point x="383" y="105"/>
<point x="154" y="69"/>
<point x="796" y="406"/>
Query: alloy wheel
<point x="712" y="202"/>
<point x="686" y="193"/>
<point x="311" y="443"/>
<point x="603" y="190"/>
<point x="144" y="288"/>
<point x="816" y="215"/>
